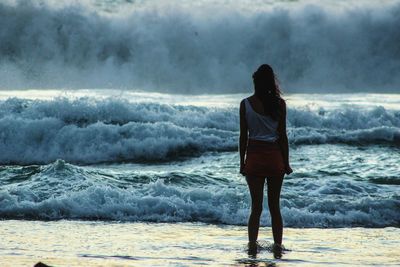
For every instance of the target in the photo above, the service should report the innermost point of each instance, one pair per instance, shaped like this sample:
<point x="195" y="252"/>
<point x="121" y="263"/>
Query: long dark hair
<point x="267" y="90"/>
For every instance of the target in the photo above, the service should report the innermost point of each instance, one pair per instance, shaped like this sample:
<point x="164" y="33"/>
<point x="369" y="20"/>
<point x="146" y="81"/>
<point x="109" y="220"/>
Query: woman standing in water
<point x="264" y="151"/>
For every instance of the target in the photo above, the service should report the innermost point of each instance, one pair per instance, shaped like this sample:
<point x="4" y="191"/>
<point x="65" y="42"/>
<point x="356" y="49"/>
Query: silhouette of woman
<point x="264" y="151"/>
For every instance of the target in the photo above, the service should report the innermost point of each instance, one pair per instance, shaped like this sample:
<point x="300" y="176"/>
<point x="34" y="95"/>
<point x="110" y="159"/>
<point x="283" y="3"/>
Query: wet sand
<point x="88" y="243"/>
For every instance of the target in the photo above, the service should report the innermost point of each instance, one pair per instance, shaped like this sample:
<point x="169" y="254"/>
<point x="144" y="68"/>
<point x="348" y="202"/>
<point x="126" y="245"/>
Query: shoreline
<point x="217" y="224"/>
<point x="99" y="243"/>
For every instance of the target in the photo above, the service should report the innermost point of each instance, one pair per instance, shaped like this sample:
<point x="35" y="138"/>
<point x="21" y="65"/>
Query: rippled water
<point x="71" y="243"/>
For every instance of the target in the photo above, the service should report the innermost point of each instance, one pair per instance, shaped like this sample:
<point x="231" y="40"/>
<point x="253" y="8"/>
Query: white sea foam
<point x="62" y="191"/>
<point x="88" y="130"/>
<point x="177" y="46"/>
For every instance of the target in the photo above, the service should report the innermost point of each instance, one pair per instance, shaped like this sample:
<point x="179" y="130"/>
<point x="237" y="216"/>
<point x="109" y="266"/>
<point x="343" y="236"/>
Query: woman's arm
<point x="243" y="135"/>
<point x="283" y="140"/>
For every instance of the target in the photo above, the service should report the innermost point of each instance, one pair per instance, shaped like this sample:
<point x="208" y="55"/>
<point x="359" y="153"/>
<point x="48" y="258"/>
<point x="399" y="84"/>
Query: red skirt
<point x="263" y="159"/>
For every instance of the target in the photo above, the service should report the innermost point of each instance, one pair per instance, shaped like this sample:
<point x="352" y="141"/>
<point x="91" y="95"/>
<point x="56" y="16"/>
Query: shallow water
<point x="77" y="243"/>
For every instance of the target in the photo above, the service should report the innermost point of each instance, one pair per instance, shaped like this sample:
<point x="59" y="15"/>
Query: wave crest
<point x="86" y="130"/>
<point x="161" y="202"/>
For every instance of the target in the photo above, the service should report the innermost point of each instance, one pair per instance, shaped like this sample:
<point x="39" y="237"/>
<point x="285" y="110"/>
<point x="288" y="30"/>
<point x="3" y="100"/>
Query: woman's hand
<point x="288" y="170"/>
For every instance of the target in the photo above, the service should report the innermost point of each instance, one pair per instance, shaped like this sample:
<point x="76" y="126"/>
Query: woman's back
<point x="261" y="126"/>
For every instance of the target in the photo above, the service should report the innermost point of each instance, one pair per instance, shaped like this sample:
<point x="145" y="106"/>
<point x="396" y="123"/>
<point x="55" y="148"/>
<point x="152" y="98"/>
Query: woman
<point x="264" y="151"/>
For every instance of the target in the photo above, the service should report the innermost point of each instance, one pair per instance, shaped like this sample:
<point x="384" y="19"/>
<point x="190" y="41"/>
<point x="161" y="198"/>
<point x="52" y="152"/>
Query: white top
<point x="261" y="127"/>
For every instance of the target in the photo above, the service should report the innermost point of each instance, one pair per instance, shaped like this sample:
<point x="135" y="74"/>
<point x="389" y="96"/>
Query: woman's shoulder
<point x="243" y="101"/>
<point x="282" y="102"/>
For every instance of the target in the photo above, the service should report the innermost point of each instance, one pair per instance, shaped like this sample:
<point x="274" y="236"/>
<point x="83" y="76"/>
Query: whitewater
<point x="173" y="158"/>
<point x="179" y="47"/>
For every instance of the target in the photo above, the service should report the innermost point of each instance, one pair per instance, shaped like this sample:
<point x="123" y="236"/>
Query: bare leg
<point x="256" y="187"/>
<point x="274" y="193"/>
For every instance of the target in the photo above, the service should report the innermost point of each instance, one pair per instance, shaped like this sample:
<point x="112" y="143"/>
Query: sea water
<point x="127" y="157"/>
<point x="88" y="243"/>
<point x="153" y="180"/>
<point x="205" y="46"/>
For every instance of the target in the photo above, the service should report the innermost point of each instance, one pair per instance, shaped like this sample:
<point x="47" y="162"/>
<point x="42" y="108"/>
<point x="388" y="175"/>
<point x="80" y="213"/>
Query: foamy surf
<point x="90" y="130"/>
<point x="64" y="191"/>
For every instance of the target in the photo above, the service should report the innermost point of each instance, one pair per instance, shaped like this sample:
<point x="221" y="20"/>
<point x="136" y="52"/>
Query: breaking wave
<point x="87" y="130"/>
<point x="63" y="191"/>
<point x="178" y="47"/>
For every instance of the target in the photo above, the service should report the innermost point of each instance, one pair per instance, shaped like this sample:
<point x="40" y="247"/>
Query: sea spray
<point x="178" y="47"/>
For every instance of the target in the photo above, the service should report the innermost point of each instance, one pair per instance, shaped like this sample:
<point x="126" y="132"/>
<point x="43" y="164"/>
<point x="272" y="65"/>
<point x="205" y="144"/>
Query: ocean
<point x="124" y="157"/>
<point x="119" y="126"/>
<point x="143" y="158"/>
